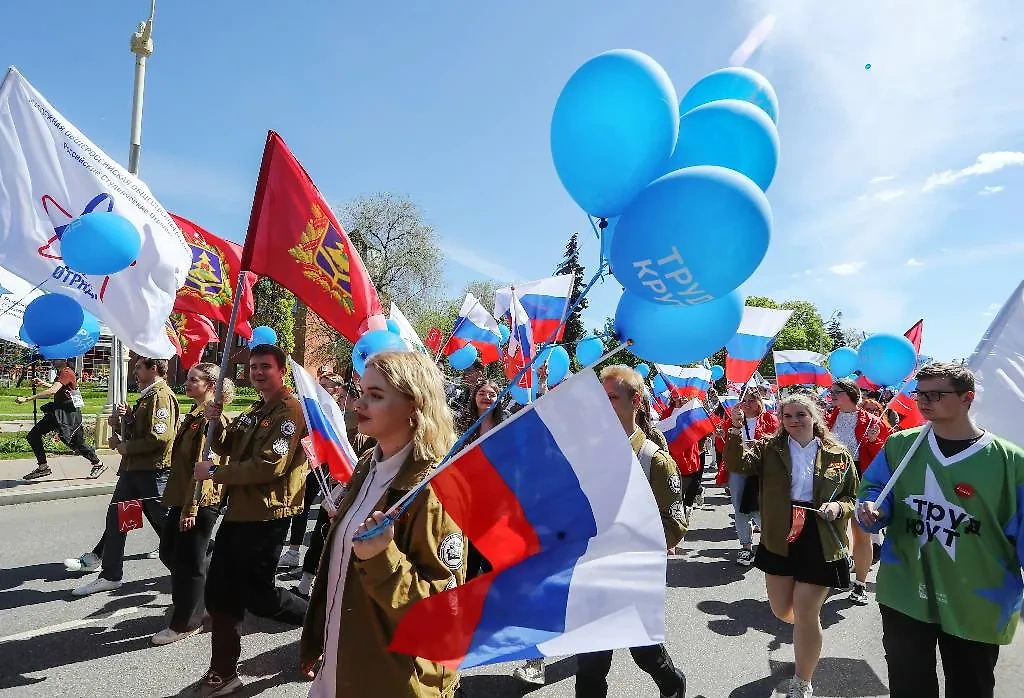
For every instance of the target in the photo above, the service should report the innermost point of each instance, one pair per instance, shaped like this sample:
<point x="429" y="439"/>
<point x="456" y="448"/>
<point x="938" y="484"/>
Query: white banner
<point x="998" y="365"/>
<point x="15" y="294"/>
<point x="49" y="175"/>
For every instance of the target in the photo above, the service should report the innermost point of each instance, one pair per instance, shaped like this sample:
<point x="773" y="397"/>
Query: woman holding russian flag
<point x="808" y="489"/>
<point x="364" y="587"/>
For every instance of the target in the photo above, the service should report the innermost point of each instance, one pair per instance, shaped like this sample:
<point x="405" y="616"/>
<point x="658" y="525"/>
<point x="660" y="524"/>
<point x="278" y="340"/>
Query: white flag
<point x="49" y="175"/>
<point x="15" y="294"/>
<point x="406" y="331"/>
<point x="998" y="365"/>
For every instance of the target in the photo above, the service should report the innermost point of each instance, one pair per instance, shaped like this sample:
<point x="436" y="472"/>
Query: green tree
<point x="610" y="340"/>
<point x="834" y="329"/>
<point x="276" y="308"/>
<point x="574" y="327"/>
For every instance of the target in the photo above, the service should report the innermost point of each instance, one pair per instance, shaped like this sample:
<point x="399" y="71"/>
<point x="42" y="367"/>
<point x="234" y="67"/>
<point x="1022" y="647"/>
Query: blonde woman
<point x="364" y="587"/>
<point x="185" y="540"/>
<point x="808" y="487"/>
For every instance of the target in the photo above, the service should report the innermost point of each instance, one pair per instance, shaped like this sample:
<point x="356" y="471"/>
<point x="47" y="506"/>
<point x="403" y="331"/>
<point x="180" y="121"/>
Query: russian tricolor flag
<point x="752" y="341"/>
<point x="556" y="501"/>
<point x="687" y="425"/>
<point x="520" y="344"/>
<point x="326" y="424"/>
<point x="729" y="400"/>
<point x="686" y="382"/>
<point x="546" y="302"/>
<point x="475" y="326"/>
<point x="800" y="367"/>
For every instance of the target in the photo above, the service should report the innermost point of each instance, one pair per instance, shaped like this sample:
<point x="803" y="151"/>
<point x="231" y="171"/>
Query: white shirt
<point x="845" y="430"/>
<point x="750" y="430"/>
<point x="803" y="457"/>
<point x="374" y="487"/>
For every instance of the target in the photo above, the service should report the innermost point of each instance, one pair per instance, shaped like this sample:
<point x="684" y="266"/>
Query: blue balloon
<point x="733" y="83"/>
<point x="669" y="334"/>
<point x="842" y="362"/>
<point x="643" y="369"/>
<point x="614" y="128"/>
<point x="83" y="340"/>
<point x="374" y="342"/>
<point x="717" y="372"/>
<point x="52" y="318"/>
<point x="557" y="359"/>
<point x="588" y="350"/>
<point x="520" y="394"/>
<point x="262" y="335"/>
<point x="393" y="327"/>
<point x="886" y="359"/>
<point x="463" y="358"/>
<point x="732" y="134"/>
<point x="23" y="336"/>
<point x="100" y="243"/>
<point x="505" y="333"/>
<point x="692" y="236"/>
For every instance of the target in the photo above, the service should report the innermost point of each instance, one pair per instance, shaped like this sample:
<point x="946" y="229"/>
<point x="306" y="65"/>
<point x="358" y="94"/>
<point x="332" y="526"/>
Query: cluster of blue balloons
<point x="98" y="243"/>
<point x="885" y="359"/>
<point x="680" y="191"/>
<point x="374" y="342"/>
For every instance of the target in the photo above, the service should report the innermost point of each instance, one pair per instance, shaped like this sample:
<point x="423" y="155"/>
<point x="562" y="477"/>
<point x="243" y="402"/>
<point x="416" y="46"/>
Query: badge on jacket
<point x="280" y="447"/>
<point x="676" y="511"/>
<point x="288" y="427"/>
<point x="162" y="413"/>
<point x="449" y="551"/>
<point x="674" y="483"/>
<point x="160" y="428"/>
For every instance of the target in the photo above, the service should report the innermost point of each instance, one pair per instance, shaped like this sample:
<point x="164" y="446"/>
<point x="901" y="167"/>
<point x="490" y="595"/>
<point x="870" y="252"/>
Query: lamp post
<point x="142" y="47"/>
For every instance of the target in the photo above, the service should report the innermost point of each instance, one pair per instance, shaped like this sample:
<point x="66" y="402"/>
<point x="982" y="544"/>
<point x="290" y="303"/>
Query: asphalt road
<point x="719" y="627"/>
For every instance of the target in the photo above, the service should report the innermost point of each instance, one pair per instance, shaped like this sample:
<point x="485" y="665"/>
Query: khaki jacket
<point x="185" y="453"/>
<point x="265" y="470"/>
<point x="667" y="489"/>
<point x="147" y="431"/>
<point x="427" y="557"/>
<point x="835" y="480"/>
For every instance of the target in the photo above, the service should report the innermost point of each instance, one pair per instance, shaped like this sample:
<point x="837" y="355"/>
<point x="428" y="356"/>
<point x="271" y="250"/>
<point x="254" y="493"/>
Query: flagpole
<point x="142" y="47"/>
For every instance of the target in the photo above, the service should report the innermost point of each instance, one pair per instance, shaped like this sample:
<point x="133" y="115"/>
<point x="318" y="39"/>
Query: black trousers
<point x="311" y="561"/>
<point x="73" y="438"/>
<point x="187" y="555"/>
<point x="593" y="667"/>
<point x="147" y="485"/>
<point x="298" y="522"/>
<point x="242" y="578"/>
<point x="969" y="666"/>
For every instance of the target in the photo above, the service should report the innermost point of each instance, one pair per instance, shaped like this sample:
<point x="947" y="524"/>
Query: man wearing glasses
<point x="950" y="570"/>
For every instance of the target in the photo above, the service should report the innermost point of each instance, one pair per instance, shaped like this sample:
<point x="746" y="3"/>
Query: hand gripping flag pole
<point x="902" y="466"/>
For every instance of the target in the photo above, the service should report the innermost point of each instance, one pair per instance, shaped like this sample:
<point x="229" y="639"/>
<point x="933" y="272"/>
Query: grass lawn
<point x="13" y="445"/>
<point x="94" y="402"/>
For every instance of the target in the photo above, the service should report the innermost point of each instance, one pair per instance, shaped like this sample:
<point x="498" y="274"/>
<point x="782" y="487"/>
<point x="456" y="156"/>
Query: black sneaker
<point x="98" y="468"/>
<point x="681" y="693"/>
<point x="40" y="471"/>
<point x="876" y="553"/>
<point x="859" y="594"/>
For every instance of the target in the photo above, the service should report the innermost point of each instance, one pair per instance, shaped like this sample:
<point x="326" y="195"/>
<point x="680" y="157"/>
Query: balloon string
<point x="18" y="302"/>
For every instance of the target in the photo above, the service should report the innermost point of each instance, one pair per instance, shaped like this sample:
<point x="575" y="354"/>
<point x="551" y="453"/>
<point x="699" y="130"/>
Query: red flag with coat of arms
<point x="295" y="239"/>
<point x="211" y="282"/>
<point x="190" y="333"/>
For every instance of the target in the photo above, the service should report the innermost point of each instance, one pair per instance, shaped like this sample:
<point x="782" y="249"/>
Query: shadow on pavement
<point x="835" y="677"/>
<point x="695" y="573"/>
<point x="711" y="535"/>
<point x="21" y="598"/>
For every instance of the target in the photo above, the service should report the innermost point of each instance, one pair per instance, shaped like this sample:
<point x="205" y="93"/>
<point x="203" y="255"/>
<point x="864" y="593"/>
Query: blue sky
<point x="899" y="188"/>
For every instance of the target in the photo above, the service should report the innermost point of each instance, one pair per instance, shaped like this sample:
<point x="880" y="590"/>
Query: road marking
<point x="57" y="627"/>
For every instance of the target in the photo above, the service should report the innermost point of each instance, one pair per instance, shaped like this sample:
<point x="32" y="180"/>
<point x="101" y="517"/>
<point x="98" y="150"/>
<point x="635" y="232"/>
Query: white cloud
<point x="889" y="194"/>
<point x="987" y="163"/>
<point x="882" y="178"/>
<point x="914" y="262"/>
<point x="479" y="263"/>
<point x="986" y="191"/>
<point x="846" y="268"/>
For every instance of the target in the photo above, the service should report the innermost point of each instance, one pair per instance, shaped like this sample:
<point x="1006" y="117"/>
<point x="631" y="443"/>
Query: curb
<point x="52" y="493"/>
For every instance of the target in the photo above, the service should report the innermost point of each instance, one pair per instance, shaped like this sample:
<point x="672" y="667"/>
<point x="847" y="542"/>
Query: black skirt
<point x="805" y="561"/>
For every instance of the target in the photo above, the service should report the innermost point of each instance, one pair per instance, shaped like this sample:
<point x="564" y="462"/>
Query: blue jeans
<point x="742" y="521"/>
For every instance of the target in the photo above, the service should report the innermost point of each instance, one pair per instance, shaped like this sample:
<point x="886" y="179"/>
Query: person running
<point x="264" y="478"/>
<point x="367" y="585"/>
<point x="950" y="571"/>
<point x="624" y="388"/>
<point x="185" y="540"/>
<point x="64" y="416"/>
<point x="145" y="448"/>
<point x="808" y="487"/>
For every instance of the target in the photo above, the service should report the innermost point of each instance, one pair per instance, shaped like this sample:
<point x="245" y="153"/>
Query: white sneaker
<point x="167" y="635"/>
<point x="95" y="586"/>
<point x="289" y="558"/>
<point x="87" y="563"/>
<point x="531" y="672"/>
<point x="798" y="688"/>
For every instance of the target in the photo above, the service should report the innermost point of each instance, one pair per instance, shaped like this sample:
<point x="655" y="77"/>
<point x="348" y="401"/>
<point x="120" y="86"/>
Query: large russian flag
<point x="573" y="533"/>
<point x="326" y="424"/>
<point x="687" y="425"/>
<point x="801" y="367"/>
<point x="546" y="302"/>
<point x="475" y="326"/>
<point x="752" y="341"/>
<point x="686" y="382"/>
